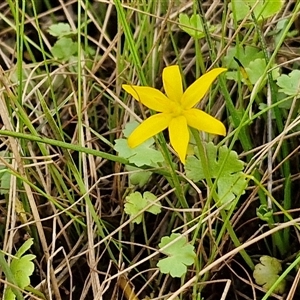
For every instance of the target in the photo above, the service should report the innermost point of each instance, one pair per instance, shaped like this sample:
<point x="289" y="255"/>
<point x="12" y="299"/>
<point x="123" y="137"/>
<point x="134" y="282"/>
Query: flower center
<point x="176" y="110"/>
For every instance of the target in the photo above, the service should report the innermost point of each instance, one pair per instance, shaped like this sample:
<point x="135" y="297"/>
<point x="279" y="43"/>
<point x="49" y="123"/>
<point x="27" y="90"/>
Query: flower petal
<point x="195" y="92"/>
<point x="172" y="83"/>
<point x="150" y="97"/>
<point x="179" y="136"/>
<point x="148" y="128"/>
<point x="200" y="120"/>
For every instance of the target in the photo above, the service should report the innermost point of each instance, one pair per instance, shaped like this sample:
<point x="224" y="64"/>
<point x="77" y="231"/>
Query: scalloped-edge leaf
<point x="60" y="30"/>
<point x="138" y="178"/>
<point x="290" y="84"/>
<point x="266" y="273"/>
<point x="262" y="10"/>
<point x="192" y="25"/>
<point x="141" y="155"/>
<point x="22" y="268"/>
<point x="180" y="255"/>
<point x="136" y="203"/>
<point x="224" y="166"/>
<point x="64" y="48"/>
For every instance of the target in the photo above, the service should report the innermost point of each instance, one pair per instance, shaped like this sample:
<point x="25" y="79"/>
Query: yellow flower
<point x="176" y="110"/>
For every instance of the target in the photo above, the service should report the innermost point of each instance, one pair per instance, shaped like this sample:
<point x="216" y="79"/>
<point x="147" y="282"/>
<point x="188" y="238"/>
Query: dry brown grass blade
<point x="18" y="167"/>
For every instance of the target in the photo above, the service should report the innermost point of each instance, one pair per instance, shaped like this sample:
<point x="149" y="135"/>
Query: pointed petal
<point x="149" y="128"/>
<point x="179" y="136"/>
<point x="195" y="92"/>
<point x="200" y="120"/>
<point x="172" y="83"/>
<point x="150" y="97"/>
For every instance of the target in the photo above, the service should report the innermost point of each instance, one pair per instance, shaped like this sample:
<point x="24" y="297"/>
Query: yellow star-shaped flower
<point x="176" y="109"/>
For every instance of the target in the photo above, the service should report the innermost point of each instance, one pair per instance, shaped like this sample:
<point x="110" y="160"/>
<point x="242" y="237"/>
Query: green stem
<point x="63" y="145"/>
<point x="213" y="195"/>
<point x="129" y="39"/>
<point x="174" y="180"/>
<point x="285" y="148"/>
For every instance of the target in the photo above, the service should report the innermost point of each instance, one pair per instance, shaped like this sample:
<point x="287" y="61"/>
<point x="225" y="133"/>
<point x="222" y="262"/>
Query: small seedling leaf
<point x="22" y="269"/>
<point x="240" y="9"/>
<point x="256" y="69"/>
<point x="266" y="273"/>
<point x="136" y="205"/>
<point x="154" y="209"/>
<point x="25" y="247"/>
<point x="262" y="10"/>
<point x="266" y="9"/>
<point x="138" y="178"/>
<point x="64" y="48"/>
<point x="141" y="155"/>
<point x="59" y="30"/>
<point x="180" y="255"/>
<point x="264" y="213"/>
<point x="230" y="186"/>
<point x="22" y="266"/>
<point x="4" y="174"/>
<point x="192" y="25"/>
<point x="5" y="182"/>
<point x="245" y="55"/>
<point x="129" y="127"/>
<point x="225" y="166"/>
<point x="253" y="62"/>
<point x="290" y="84"/>
<point x="9" y="295"/>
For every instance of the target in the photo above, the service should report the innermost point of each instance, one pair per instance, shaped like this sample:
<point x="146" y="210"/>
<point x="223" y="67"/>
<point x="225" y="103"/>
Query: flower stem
<point x="174" y="180"/>
<point x="212" y="194"/>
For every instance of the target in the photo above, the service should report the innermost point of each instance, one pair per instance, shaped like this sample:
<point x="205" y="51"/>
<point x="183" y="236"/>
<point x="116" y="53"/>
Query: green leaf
<point x="267" y="8"/>
<point x="136" y="203"/>
<point x="230" y="186"/>
<point x="25" y="247"/>
<point x="61" y="29"/>
<point x="5" y="176"/>
<point x="225" y="166"/>
<point x="280" y="26"/>
<point x="240" y="9"/>
<point x="141" y="155"/>
<point x="129" y="127"/>
<point x="180" y="255"/>
<point x="284" y="103"/>
<point x="150" y="198"/>
<point x="138" y="178"/>
<point x="64" y="48"/>
<point x="22" y="266"/>
<point x="290" y="84"/>
<point x="193" y="25"/>
<point x="266" y="273"/>
<point x="256" y="69"/>
<point x="246" y="55"/>
<point x="185" y="23"/>
<point x="22" y="269"/>
<point x="9" y="295"/>
<point x="263" y="9"/>
<point x="253" y="62"/>
<point x="264" y="213"/>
